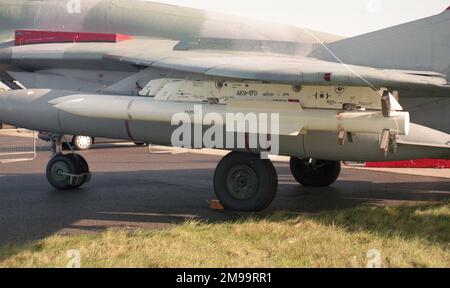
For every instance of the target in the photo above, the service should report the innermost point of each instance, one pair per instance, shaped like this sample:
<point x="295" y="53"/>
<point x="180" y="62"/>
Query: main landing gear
<point x="315" y="173"/>
<point x="242" y="181"/>
<point x="245" y="182"/>
<point x="65" y="172"/>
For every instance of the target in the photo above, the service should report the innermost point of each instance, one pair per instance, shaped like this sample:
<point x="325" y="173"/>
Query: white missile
<point x="293" y="119"/>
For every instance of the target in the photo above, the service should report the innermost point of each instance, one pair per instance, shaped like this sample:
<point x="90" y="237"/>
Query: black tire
<point x="319" y="174"/>
<point x="58" y="165"/>
<point x="81" y="165"/>
<point x="245" y="182"/>
<point x="82" y="143"/>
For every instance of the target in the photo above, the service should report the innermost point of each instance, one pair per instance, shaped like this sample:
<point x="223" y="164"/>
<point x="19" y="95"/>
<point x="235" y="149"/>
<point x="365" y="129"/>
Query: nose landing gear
<point x="65" y="172"/>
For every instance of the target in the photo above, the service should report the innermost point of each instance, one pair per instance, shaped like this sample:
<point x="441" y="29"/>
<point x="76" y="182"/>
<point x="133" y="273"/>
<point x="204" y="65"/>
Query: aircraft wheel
<point x="315" y="173"/>
<point x="65" y="172"/>
<point x="245" y="182"/>
<point x="58" y="171"/>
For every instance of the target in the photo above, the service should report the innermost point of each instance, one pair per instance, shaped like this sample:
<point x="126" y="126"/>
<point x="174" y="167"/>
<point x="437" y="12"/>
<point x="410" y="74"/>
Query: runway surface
<point x="134" y="188"/>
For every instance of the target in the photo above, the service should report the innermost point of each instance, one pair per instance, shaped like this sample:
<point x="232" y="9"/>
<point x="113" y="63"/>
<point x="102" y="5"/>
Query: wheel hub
<point x="242" y="182"/>
<point x="59" y="170"/>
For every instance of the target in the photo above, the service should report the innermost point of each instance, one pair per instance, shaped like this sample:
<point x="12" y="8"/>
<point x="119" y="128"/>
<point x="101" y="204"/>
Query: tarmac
<point x="135" y="187"/>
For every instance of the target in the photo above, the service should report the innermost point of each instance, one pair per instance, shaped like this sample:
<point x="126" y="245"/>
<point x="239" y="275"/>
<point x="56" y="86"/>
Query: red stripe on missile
<point x="26" y="37"/>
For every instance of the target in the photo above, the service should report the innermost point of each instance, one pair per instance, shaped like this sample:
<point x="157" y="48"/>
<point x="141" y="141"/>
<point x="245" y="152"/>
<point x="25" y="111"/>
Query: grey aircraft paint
<point x="143" y="19"/>
<point x="211" y="35"/>
<point x="312" y="145"/>
<point x="422" y="45"/>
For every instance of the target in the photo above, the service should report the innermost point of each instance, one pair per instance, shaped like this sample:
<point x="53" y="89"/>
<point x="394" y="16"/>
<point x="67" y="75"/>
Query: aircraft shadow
<point x="30" y="210"/>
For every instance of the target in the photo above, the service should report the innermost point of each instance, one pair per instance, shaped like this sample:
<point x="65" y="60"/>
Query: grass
<point x="404" y="236"/>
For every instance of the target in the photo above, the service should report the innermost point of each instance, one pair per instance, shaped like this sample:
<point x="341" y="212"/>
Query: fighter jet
<point x="178" y="76"/>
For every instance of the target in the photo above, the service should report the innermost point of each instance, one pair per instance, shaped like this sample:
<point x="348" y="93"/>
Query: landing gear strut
<point x="315" y="173"/>
<point x="65" y="172"/>
<point x="245" y="182"/>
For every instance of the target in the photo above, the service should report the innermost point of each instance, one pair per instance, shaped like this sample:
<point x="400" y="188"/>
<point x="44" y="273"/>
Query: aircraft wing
<point x="171" y="56"/>
<point x="103" y="72"/>
<point x="279" y="69"/>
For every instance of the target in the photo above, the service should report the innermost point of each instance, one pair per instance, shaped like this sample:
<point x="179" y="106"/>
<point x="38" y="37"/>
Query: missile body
<point x="292" y="118"/>
<point x="302" y="132"/>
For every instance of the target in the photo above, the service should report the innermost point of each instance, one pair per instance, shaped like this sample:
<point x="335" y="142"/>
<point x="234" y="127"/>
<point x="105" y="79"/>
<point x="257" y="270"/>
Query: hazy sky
<point x="342" y="17"/>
